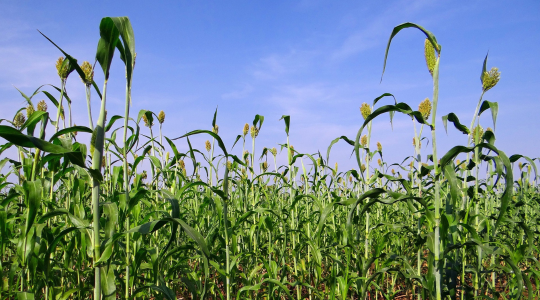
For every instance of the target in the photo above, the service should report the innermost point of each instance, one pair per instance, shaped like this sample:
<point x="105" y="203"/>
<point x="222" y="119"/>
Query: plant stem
<point x="437" y="182"/>
<point x="96" y="165"/>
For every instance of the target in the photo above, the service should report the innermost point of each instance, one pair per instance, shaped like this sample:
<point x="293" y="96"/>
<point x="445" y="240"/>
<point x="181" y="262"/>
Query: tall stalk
<point x="88" y="95"/>
<point x="126" y="186"/>
<point x="437" y="245"/>
<point x="97" y="157"/>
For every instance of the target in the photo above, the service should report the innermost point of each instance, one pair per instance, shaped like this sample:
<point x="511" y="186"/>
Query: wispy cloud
<point x="375" y="31"/>
<point x="239" y="94"/>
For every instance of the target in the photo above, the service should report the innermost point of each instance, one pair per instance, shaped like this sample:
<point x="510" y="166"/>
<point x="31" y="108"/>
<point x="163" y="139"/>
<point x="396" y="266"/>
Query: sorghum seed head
<point x="429" y="54"/>
<point x="229" y="165"/>
<point x="207" y="145"/>
<point x="181" y="164"/>
<point x="88" y="71"/>
<point x="265" y="166"/>
<point x="167" y="156"/>
<point x="489" y="129"/>
<point x="29" y="110"/>
<point x="379" y="146"/>
<point x="215" y="129"/>
<point x="144" y="175"/>
<point x="520" y="165"/>
<point x="350" y="179"/>
<point x="365" y="109"/>
<point x="254" y="132"/>
<point x="477" y="134"/>
<point x="147" y="122"/>
<point x="246" y="129"/>
<point x="491" y="78"/>
<point x="161" y="117"/>
<point x="103" y="162"/>
<point x="273" y="151"/>
<point x="291" y="149"/>
<point x="63" y="71"/>
<point x="393" y="172"/>
<point x="339" y="180"/>
<point x="363" y="140"/>
<point x="19" y="120"/>
<point x="411" y="164"/>
<point x="42" y="106"/>
<point x="362" y="167"/>
<point x="458" y="162"/>
<point x="379" y="161"/>
<point x="425" y="108"/>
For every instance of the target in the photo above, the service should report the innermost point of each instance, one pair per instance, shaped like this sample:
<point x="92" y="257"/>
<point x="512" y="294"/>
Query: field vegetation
<point x="88" y="221"/>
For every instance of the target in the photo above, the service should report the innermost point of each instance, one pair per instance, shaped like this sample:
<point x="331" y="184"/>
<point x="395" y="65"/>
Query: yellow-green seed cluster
<point x="429" y="54"/>
<point x="365" y="109"/>
<point x="491" y="78"/>
<point x="425" y="108"/>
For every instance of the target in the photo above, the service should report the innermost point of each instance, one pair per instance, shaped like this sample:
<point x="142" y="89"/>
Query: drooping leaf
<point x="400" y="27"/>
<point x="107" y="44"/>
<point x="494" y="107"/>
<point x="455" y="120"/>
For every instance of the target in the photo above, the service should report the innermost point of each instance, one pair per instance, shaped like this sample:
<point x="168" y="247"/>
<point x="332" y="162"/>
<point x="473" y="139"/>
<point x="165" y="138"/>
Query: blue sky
<point x="314" y="60"/>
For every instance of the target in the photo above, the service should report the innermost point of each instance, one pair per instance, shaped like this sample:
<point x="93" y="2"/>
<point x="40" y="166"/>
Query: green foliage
<point x="139" y="226"/>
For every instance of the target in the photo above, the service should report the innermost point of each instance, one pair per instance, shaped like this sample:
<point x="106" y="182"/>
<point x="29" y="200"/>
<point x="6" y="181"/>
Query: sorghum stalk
<point x="366" y="250"/>
<point x="88" y="94"/>
<point x="437" y="183"/>
<point x="226" y="227"/>
<point x="97" y="157"/>
<point x="59" y="111"/>
<point x="126" y="184"/>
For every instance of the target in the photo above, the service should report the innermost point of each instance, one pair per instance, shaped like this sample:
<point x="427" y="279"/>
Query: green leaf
<point x="382" y="96"/>
<point x="484" y="69"/>
<point x="191" y="232"/>
<point x="32" y="193"/>
<point x="127" y="50"/>
<point x="70" y="130"/>
<point x="33" y="120"/>
<point x="107" y="44"/>
<point x="165" y="291"/>
<point x="72" y="61"/>
<point x="400" y="27"/>
<point x="346" y="139"/>
<point x="25" y="296"/>
<point x="29" y="99"/>
<point x="108" y="284"/>
<point x="214" y="119"/>
<point x="494" y="106"/>
<point x="455" y="120"/>
<point x="218" y="139"/>
<point x="287" y="120"/>
<point x="111" y="122"/>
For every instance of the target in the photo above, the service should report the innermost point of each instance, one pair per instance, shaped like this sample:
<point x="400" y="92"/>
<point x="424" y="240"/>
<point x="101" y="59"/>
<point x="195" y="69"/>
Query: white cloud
<point x="239" y="94"/>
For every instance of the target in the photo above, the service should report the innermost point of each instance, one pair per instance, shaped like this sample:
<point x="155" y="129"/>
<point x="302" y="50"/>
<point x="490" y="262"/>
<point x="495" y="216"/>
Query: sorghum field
<point x="87" y="221"/>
